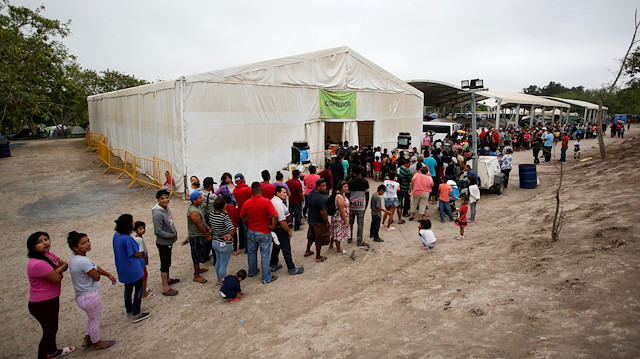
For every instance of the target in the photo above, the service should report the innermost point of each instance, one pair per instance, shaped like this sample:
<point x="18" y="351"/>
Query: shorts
<point x="164" y="252"/>
<point x="319" y="233"/>
<point x="391" y="202"/>
<point x="198" y="249"/>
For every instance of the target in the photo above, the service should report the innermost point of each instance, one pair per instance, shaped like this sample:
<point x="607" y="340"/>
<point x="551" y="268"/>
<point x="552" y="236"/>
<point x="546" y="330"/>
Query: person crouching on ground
<point x="231" y="286"/>
<point x="425" y="234"/>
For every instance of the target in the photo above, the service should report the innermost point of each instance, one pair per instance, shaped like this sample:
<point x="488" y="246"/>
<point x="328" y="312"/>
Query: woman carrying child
<point x="86" y="281"/>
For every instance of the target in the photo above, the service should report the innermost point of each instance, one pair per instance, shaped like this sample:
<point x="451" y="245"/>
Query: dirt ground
<point x="506" y="291"/>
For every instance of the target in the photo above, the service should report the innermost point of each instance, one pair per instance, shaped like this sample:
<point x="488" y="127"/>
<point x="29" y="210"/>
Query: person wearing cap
<point x="318" y="231"/>
<point x="208" y="196"/>
<point x="260" y="217"/>
<point x="242" y="193"/>
<point x="199" y="234"/>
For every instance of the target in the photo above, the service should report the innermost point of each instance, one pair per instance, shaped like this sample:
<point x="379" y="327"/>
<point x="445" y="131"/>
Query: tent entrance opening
<point x="365" y="133"/>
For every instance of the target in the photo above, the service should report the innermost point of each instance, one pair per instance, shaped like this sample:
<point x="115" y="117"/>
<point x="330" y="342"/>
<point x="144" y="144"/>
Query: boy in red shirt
<point x="377" y="169"/>
<point x="444" y="205"/>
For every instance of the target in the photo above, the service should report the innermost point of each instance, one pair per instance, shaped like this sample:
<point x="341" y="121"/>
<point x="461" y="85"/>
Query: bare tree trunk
<point x="558" y="216"/>
<point x="603" y="150"/>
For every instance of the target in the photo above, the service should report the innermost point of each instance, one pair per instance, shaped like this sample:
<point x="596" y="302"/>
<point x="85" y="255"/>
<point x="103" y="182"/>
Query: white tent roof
<point x="313" y="70"/>
<point x="578" y="103"/>
<point x="512" y="99"/>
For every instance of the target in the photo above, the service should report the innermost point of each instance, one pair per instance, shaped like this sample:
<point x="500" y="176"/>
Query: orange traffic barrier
<point x="165" y="168"/>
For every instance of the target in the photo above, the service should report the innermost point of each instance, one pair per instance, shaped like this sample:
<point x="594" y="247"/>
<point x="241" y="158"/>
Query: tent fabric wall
<point x="245" y="119"/>
<point x="146" y="123"/>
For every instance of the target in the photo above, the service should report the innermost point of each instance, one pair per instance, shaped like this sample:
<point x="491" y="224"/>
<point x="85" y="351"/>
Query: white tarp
<point x="245" y="119"/>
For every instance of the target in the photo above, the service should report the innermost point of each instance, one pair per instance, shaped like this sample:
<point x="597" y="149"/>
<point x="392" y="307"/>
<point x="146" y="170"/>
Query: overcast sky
<point x="510" y="44"/>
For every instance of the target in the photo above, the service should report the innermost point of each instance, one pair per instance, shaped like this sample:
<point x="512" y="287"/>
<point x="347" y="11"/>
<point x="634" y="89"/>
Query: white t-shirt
<point x="474" y="193"/>
<point x="79" y="266"/>
<point x="392" y="189"/>
<point x="280" y="207"/>
<point x="377" y="154"/>
<point x="142" y="247"/>
<point x="427" y="236"/>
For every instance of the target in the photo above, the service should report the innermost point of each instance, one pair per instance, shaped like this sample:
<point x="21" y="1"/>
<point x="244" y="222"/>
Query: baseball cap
<point x="208" y="181"/>
<point x="194" y="195"/>
<point x="238" y="177"/>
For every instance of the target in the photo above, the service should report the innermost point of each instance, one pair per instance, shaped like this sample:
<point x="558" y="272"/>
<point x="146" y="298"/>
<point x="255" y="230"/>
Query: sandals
<point x="275" y="268"/>
<point x="149" y="296"/>
<point x="106" y="345"/>
<point x="307" y="254"/>
<point x="64" y="351"/>
<point x="321" y="259"/>
<point x="170" y="293"/>
<point x="203" y="280"/>
<point x="402" y="222"/>
<point x="296" y="271"/>
<point x="173" y="281"/>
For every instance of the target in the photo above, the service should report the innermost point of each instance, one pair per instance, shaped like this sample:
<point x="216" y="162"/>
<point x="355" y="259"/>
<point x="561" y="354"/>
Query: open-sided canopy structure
<point x="245" y="119"/>
<point x="590" y="109"/>
<point x="442" y="94"/>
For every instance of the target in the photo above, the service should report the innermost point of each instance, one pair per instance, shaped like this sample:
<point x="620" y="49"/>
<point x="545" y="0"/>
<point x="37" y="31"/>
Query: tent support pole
<point x="499" y="102"/>
<point x="517" y="114"/>
<point x="531" y="114"/>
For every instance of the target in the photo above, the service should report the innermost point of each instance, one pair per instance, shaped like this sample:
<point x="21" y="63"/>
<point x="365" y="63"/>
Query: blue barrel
<point x="5" y="151"/>
<point x="528" y="176"/>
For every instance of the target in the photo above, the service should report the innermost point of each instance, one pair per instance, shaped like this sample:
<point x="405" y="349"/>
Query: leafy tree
<point x="41" y="80"/>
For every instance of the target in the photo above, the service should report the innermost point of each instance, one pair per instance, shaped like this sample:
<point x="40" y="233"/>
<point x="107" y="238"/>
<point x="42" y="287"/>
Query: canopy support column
<point x="499" y="102"/>
<point x="517" y="115"/>
<point x="531" y="114"/>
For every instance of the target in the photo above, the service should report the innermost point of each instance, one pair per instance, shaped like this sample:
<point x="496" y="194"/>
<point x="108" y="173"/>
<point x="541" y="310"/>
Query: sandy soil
<point x="504" y="292"/>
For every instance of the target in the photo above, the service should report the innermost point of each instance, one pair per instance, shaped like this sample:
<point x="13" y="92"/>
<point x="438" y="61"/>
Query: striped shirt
<point x="220" y="224"/>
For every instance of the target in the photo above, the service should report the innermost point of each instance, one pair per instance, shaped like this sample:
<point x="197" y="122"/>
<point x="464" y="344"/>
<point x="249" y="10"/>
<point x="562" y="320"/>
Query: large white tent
<point x="245" y="119"/>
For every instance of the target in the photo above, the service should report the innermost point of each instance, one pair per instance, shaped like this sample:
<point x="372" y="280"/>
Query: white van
<point x="442" y="129"/>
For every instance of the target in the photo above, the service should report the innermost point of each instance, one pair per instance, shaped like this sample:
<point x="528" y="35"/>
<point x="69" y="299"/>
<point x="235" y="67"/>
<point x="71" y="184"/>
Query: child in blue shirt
<point x="231" y="286"/>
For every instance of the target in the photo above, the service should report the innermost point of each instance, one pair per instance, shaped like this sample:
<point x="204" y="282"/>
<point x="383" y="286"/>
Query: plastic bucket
<point x="528" y="176"/>
<point x="5" y="151"/>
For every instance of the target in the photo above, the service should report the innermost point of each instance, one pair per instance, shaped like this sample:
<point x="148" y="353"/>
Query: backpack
<point x="331" y="205"/>
<point x="455" y="194"/>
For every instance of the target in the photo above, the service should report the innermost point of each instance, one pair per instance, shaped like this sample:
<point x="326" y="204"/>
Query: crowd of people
<point x="239" y="218"/>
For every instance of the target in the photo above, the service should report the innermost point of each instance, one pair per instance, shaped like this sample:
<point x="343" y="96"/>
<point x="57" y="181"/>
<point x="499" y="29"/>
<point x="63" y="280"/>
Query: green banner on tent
<point x="337" y="104"/>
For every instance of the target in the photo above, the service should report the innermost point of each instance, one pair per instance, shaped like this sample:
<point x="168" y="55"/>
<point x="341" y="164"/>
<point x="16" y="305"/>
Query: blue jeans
<point x="375" y="227"/>
<point x="563" y="154"/>
<point x="223" y="254"/>
<point x="285" y="246"/>
<point x="134" y="288"/>
<point x="262" y="240"/>
<point x="445" y="207"/>
<point x="296" y="213"/>
<point x="242" y="235"/>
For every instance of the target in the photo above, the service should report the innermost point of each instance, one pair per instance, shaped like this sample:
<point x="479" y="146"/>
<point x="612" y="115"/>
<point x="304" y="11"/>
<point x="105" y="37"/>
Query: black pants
<point x="46" y="313"/>
<point x="285" y="246"/>
<point x="164" y="252"/>
<point x="506" y="176"/>
<point x="536" y="153"/>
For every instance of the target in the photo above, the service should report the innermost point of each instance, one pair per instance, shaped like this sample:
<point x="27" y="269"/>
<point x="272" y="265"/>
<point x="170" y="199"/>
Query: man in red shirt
<point x="242" y="193"/>
<point x="260" y="217"/>
<point x="268" y="189"/>
<point x="295" y="201"/>
<point x="565" y="146"/>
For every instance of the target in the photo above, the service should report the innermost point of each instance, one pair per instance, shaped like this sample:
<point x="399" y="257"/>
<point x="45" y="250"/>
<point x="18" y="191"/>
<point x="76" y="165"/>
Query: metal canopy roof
<point x="513" y="99"/>
<point x="578" y="103"/>
<point x="441" y="94"/>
